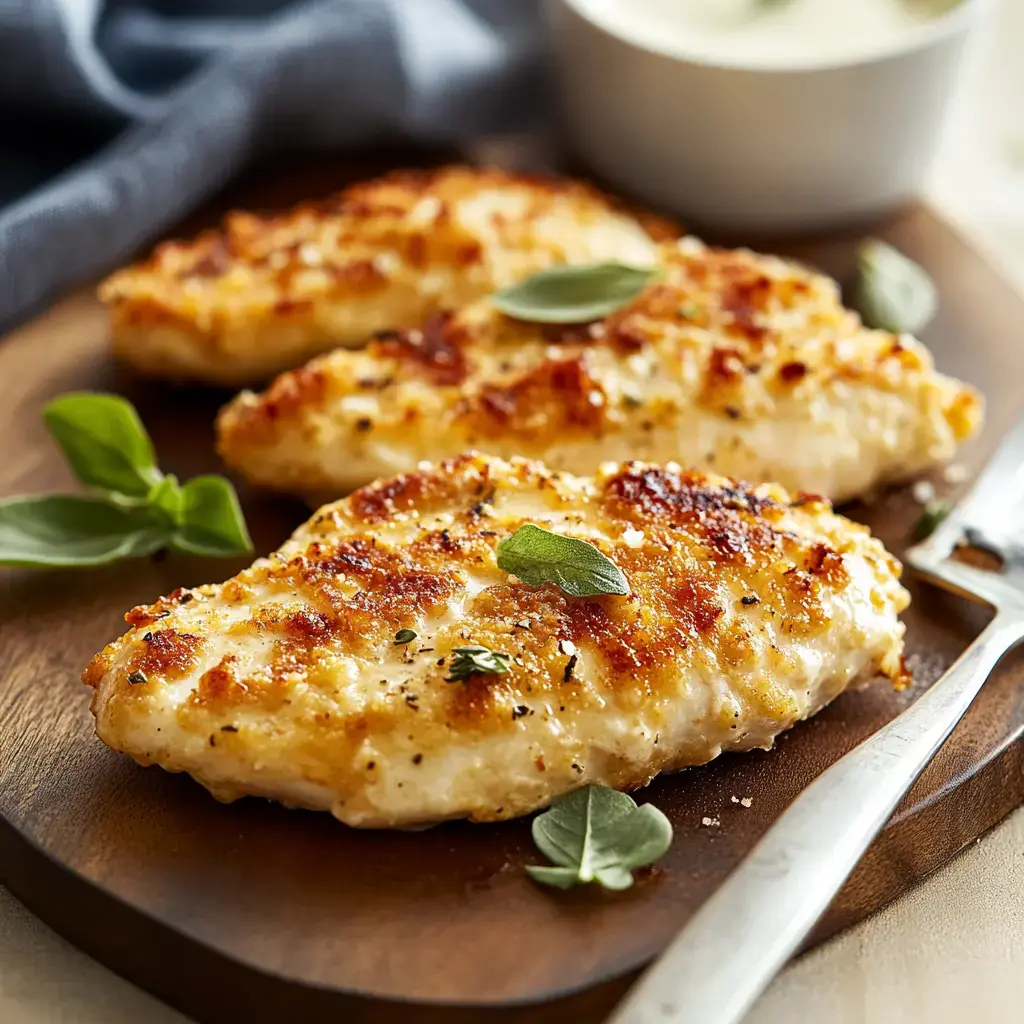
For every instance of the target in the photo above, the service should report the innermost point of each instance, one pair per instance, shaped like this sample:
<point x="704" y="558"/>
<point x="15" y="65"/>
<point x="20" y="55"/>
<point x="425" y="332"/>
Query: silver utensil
<point x="732" y="948"/>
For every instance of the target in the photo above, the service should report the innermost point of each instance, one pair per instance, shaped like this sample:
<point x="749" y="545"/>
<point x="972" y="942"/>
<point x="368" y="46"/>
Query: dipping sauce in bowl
<point x="778" y="33"/>
<point x="761" y="115"/>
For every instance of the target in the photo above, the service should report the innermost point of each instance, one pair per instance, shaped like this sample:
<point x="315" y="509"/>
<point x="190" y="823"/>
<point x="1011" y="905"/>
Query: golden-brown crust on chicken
<point x="746" y="364"/>
<point x="264" y="293"/>
<point x="748" y="610"/>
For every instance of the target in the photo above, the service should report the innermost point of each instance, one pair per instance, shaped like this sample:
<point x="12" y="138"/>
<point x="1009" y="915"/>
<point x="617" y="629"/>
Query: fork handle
<point x="725" y="957"/>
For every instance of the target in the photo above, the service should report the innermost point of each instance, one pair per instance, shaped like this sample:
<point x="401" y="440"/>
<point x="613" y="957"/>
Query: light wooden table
<point x="950" y="951"/>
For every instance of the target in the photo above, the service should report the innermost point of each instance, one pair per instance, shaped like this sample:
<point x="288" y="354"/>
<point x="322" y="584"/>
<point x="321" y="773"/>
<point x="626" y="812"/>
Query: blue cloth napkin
<point x="120" y="116"/>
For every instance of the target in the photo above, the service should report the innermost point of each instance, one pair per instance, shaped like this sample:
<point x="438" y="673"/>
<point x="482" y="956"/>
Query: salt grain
<point x="633" y="538"/>
<point x="710" y="822"/>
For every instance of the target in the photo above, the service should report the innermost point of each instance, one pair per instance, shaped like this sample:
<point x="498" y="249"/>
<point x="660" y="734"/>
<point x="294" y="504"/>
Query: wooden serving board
<point x="254" y="912"/>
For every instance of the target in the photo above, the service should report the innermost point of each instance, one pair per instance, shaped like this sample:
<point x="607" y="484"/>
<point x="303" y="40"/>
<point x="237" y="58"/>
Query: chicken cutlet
<point x="748" y="610"/>
<point x="743" y="364"/>
<point x="264" y="294"/>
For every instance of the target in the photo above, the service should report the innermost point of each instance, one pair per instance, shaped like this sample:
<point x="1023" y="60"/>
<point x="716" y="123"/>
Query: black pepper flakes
<point x="147" y="638"/>
<point x="749" y="599"/>
<point x="577" y="768"/>
<point x="417" y="758"/>
<point x="363" y="424"/>
<point x="229" y="728"/>
<point x="137" y="677"/>
<point x="519" y="711"/>
<point x="569" y="666"/>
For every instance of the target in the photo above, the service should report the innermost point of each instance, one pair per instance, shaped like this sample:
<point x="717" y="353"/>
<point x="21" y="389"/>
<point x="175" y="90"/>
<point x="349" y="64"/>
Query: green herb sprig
<point x="577" y="567"/>
<point x="935" y="511"/>
<point x="573" y="295"/>
<point x="470" y="661"/>
<point x="892" y="292"/>
<point x="596" y="834"/>
<point x="133" y="509"/>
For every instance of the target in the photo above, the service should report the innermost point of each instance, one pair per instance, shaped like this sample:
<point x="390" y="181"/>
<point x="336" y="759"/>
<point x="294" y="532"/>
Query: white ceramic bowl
<point x="759" y="148"/>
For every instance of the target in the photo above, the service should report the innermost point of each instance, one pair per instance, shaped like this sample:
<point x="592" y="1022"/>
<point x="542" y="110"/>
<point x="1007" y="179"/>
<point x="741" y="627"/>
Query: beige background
<point x="948" y="952"/>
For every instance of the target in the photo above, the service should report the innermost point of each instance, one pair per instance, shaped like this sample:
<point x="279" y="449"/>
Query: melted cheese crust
<point x="749" y="611"/>
<point x="744" y="364"/>
<point x="265" y="293"/>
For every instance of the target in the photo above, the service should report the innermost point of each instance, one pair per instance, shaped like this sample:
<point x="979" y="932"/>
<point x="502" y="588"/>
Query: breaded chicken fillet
<point x="263" y="294"/>
<point x="748" y="610"/>
<point x="729" y="361"/>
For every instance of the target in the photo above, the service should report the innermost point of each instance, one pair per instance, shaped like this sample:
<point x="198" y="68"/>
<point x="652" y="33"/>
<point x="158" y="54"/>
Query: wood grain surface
<point x="252" y="909"/>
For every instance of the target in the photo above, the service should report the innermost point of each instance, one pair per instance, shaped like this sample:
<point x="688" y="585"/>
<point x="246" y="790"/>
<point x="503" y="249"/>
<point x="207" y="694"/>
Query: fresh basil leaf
<point x="75" y="530"/>
<point x="168" y="498"/>
<point x="210" y="520"/>
<point x="140" y="510"/>
<point x="597" y="834"/>
<point x="404" y="636"/>
<point x="558" y="878"/>
<point x="539" y="556"/>
<point x="573" y="295"/>
<point x="469" y="661"/>
<point x="892" y="292"/>
<point x="105" y="442"/>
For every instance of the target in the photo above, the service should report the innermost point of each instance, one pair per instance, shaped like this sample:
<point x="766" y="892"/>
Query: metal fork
<point x="732" y="948"/>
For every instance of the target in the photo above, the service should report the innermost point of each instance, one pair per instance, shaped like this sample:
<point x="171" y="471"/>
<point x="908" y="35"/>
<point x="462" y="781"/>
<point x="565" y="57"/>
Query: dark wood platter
<point x="254" y="911"/>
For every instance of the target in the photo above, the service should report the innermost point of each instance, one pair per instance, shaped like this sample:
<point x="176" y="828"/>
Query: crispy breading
<point x="265" y="293"/>
<point x="748" y="611"/>
<point x="744" y="364"/>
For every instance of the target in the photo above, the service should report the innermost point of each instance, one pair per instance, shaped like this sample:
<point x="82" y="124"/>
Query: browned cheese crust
<point x="263" y="293"/>
<point x="732" y="361"/>
<point x="749" y="609"/>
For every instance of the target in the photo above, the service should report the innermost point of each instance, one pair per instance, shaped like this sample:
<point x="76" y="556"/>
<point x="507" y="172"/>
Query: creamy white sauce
<point x="763" y="32"/>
